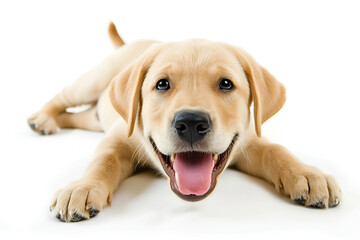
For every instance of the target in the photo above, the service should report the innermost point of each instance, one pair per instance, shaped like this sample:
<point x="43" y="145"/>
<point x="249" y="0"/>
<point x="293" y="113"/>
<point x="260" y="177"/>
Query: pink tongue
<point x="193" y="171"/>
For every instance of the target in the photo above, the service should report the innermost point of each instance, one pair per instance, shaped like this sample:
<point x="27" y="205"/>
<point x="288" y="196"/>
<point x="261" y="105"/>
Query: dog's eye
<point x="225" y="84"/>
<point x="162" y="85"/>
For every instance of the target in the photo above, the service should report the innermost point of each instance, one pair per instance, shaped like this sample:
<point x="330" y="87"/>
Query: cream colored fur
<point x="126" y="107"/>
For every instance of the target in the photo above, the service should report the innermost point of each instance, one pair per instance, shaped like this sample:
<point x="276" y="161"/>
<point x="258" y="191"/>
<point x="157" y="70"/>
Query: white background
<point x="310" y="46"/>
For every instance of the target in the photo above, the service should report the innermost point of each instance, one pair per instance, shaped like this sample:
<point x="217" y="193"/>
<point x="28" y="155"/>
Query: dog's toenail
<point x="335" y="203"/>
<point x="58" y="216"/>
<point x="300" y="200"/>
<point x="93" y="212"/>
<point x="42" y="132"/>
<point x="77" y="217"/>
<point x="33" y="126"/>
<point x="319" y="204"/>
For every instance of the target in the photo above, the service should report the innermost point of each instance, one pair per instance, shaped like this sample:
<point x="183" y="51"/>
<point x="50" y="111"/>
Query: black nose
<point x="191" y="126"/>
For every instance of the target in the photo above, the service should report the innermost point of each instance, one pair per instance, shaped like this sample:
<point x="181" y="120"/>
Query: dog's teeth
<point x="215" y="157"/>
<point x="172" y="158"/>
<point x="176" y="177"/>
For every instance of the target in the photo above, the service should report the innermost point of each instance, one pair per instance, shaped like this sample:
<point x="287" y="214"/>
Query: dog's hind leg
<point x="87" y="120"/>
<point x="86" y="90"/>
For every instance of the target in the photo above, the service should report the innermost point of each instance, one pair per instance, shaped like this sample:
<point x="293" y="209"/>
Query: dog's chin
<point x="193" y="174"/>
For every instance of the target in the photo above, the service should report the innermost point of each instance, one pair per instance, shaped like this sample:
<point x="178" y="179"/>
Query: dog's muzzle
<point x="193" y="174"/>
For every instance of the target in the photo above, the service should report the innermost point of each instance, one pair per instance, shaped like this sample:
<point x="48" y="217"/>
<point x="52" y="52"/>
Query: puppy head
<point x="192" y="103"/>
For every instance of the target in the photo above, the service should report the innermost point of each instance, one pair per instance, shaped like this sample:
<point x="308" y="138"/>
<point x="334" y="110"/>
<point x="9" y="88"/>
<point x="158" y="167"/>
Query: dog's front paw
<point x="79" y="201"/>
<point x="42" y="123"/>
<point x="308" y="186"/>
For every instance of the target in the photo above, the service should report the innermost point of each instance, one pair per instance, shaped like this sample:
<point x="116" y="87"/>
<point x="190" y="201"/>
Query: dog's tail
<point x="114" y="36"/>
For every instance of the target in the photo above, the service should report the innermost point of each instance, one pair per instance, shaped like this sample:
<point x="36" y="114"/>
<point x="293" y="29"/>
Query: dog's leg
<point x="304" y="184"/>
<point x="87" y="120"/>
<point x="83" y="199"/>
<point x="86" y="90"/>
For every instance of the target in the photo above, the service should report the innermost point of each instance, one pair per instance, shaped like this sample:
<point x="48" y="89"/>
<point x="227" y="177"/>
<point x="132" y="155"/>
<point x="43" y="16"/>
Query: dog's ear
<point x="125" y="88"/>
<point x="267" y="94"/>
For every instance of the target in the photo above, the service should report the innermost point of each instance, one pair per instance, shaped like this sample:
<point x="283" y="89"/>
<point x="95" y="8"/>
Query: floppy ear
<point x="125" y="88"/>
<point x="267" y="94"/>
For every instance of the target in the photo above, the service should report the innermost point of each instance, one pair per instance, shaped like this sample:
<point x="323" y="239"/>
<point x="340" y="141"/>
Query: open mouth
<point x="193" y="174"/>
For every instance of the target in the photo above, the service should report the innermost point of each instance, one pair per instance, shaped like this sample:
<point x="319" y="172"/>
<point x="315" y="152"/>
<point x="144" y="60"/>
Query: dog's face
<point x="192" y="104"/>
<point x="195" y="105"/>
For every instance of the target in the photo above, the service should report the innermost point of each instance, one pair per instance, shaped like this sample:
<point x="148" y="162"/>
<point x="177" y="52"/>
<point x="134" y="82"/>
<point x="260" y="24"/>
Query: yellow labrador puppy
<point x="186" y="107"/>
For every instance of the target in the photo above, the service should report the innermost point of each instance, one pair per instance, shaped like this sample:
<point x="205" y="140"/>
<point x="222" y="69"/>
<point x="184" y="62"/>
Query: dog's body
<point x="183" y="108"/>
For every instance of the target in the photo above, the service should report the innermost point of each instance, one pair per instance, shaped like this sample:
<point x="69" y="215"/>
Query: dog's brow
<point x="165" y="69"/>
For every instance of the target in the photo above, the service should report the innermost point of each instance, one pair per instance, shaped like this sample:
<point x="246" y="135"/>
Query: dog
<point x="192" y="109"/>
